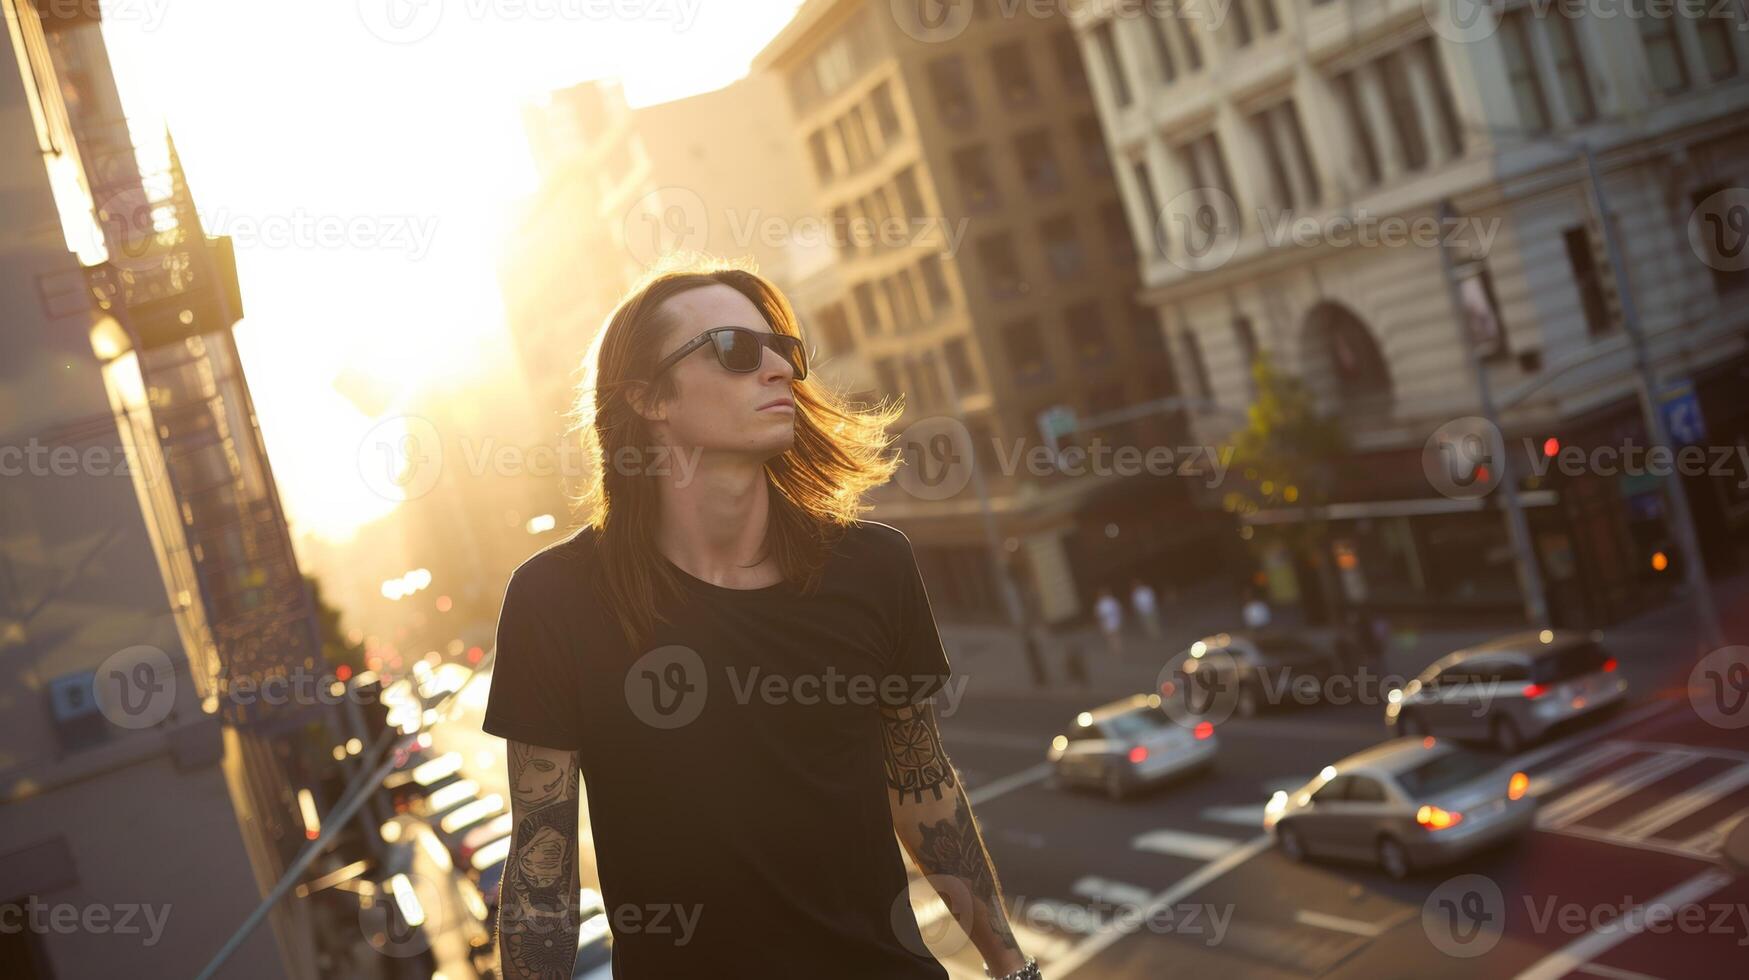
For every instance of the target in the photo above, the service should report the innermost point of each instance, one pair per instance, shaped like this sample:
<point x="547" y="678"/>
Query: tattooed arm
<point x="934" y="822"/>
<point x="537" y="901"/>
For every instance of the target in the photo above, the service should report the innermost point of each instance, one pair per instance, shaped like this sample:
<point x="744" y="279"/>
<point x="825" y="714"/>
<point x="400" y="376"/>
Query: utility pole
<point x="1536" y="606"/>
<point x="1676" y="493"/>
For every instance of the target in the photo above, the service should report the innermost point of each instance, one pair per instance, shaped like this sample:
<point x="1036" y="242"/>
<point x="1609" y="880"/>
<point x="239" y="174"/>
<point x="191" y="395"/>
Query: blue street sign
<point x="1681" y="408"/>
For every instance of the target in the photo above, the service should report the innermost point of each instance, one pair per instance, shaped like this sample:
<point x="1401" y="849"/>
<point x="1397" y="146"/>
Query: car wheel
<point x="1247" y="706"/>
<point x="1114" y="786"/>
<point x="1506" y="737"/>
<point x="1394" y="858"/>
<point x="1292" y="847"/>
<point x="1411" y="724"/>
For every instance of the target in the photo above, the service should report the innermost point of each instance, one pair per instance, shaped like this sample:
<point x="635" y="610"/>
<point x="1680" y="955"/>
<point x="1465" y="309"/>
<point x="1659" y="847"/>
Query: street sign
<point x="1681" y="407"/>
<point x="1056" y="422"/>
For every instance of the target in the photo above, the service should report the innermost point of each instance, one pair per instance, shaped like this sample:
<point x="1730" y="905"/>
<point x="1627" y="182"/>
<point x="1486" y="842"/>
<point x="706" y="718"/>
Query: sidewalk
<point x="992" y="660"/>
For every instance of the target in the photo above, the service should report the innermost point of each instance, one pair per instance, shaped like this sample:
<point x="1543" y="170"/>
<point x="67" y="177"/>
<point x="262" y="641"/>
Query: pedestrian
<point x="750" y="816"/>
<point x="1110" y="614"/>
<point x="1147" y="607"/>
<point x="1256" y="611"/>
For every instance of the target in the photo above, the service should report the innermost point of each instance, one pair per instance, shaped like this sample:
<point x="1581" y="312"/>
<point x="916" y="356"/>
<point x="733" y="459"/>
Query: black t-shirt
<point x="734" y="768"/>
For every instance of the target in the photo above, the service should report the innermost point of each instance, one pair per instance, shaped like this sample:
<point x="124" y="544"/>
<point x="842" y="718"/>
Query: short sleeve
<point x="919" y="659"/>
<point x="533" y="694"/>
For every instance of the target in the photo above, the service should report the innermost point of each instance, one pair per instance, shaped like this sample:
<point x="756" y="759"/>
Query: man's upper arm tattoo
<point x="538" y="899"/>
<point x="916" y="762"/>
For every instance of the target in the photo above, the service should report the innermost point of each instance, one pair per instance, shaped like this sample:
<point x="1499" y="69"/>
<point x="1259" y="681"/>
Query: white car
<point x="1125" y="745"/>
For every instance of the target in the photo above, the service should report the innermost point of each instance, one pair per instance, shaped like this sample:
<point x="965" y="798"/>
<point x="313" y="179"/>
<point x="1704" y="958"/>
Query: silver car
<point x="1122" y="746"/>
<point x="1243" y="673"/>
<point x="1408" y="804"/>
<point x="1509" y="691"/>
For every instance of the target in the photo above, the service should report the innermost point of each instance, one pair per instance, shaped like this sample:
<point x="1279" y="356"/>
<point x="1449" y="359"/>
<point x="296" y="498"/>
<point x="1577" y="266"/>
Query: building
<point x="148" y="568"/>
<point x="985" y="270"/>
<point x="1305" y="128"/>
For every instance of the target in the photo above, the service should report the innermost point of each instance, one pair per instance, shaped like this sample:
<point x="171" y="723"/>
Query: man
<point x="1109" y="612"/>
<point x="1147" y="607"/>
<point x="742" y="673"/>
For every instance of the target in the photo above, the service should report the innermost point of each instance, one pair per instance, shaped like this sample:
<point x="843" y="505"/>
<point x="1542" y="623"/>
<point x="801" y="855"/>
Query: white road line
<point x="1566" y="772"/>
<point x="1357" y="927"/>
<point x="1711" y="750"/>
<point x="1115" y="892"/>
<point x="1008" y="784"/>
<point x="1594" y="796"/>
<point x="1558" y="746"/>
<point x="1242" y="816"/>
<point x="1178" y="843"/>
<point x="1614" y="973"/>
<point x="1712" y="840"/>
<point x="1593" y="944"/>
<point x="1092" y="945"/>
<point x="1695" y="850"/>
<point x="1691" y="800"/>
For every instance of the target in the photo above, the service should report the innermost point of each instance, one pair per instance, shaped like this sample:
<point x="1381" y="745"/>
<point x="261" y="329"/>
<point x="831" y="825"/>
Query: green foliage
<point x="1288" y="451"/>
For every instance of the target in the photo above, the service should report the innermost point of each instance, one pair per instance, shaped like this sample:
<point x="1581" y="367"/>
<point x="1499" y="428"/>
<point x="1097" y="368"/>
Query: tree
<point x="335" y="649"/>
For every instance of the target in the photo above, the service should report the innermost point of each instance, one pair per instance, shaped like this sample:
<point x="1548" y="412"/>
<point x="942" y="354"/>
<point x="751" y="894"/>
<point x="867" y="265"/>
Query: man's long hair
<point x="839" y="452"/>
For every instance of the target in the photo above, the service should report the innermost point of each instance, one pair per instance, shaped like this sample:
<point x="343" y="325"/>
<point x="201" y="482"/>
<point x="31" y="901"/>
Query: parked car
<point x="1244" y="672"/>
<point x="1408" y="804"/>
<point x="1511" y="690"/>
<point x="1125" y="745"/>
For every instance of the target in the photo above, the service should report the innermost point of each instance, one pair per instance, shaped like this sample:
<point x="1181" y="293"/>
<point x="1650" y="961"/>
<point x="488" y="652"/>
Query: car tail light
<point x="1204" y="729"/>
<point x="1534" y="691"/>
<point x="1516" y="786"/>
<point x="1139" y="754"/>
<point x="1433" y="818"/>
<point x="1609" y="666"/>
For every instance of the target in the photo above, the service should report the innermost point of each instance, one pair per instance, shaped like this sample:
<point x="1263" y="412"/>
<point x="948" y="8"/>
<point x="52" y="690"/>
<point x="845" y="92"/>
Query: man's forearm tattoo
<point x="537" y="912"/>
<point x="952" y="846"/>
<point x="916" y="762"/>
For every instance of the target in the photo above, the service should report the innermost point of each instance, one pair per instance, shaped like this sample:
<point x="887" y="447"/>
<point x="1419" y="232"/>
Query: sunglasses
<point x="742" y="350"/>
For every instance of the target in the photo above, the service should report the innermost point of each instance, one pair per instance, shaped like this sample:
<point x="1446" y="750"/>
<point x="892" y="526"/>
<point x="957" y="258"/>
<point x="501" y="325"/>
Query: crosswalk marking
<point x="1178" y="843"/>
<point x="1712" y="840"/>
<point x="1689" y="801"/>
<point x="1241" y="816"/>
<point x="1115" y="892"/>
<point x="1600" y="793"/>
<point x="1358" y="927"/>
<point x="1559" y="776"/>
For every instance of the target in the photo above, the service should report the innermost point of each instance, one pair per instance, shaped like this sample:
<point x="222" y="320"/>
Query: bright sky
<point x="364" y="155"/>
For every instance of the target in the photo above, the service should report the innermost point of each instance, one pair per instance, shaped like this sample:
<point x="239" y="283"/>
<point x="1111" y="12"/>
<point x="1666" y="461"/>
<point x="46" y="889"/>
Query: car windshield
<point x="1137" y="723"/>
<point x="1444" y="772"/>
<point x="1564" y="665"/>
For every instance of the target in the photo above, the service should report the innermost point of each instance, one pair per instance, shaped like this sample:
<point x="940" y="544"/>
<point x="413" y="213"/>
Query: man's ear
<point x="640" y="395"/>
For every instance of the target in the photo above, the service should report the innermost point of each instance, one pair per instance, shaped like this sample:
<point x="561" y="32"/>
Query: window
<point x="1026" y="351"/>
<point x="1115" y="227"/>
<point x="1266" y="16"/>
<point x="1527" y="89"/>
<point x="934" y="282"/>
<point x="1284" y="149"/>
<point x="1570" y="66"/>
<point x="885" y="115"/>
<point x="841" y="236"/>
<point x="1401" y="102"/>
<point x="835" y="330"/>
<point x="1245" y="337"/>
<point x="1162" y="49"/>
<point x="821" y="155"/>
<point x="959" y="366"/>
<point x="1014" y="81"/>
<point x="1593" y="295"/>
<point x="1359" y="126"/>
<point x="971" y="167"/>
<point x="1716" y="49"/>
<point x="1241" y="19"/>
<point x="1199" y="370"/>
<point x="1448" y="117"/>
<point x="1664" y="53"/>
<point x="887" y="376"/>
<point x="901" y="300"/>
<point x="1206" y="167"/>
<point x="865" y="308"/>
<point x="951" y="91"/>
<point x="1087" y="334"/>
<point x="1001" y="267"/>
<point x="1149" y="339"/>
<point x="1186" y="40"/>
<point x="1150" y="203"/>
<point x="874" y="207"/>
<point x="1038" y="162"/>
<point x="1120" y="86"/>
<point x="1070" y="68"/>
<point x="1062" y="248"/>
<point x="1092" y="141"/>
<point x="910" y="198"/>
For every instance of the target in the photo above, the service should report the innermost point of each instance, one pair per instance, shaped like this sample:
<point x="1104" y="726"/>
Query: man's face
<point x="715" y="409"/>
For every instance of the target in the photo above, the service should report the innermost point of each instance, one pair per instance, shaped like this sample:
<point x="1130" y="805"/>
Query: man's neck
<point x="713" y="521"/>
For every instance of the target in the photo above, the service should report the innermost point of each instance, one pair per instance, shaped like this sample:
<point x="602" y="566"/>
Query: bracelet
<point x="1027" y="971"/>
